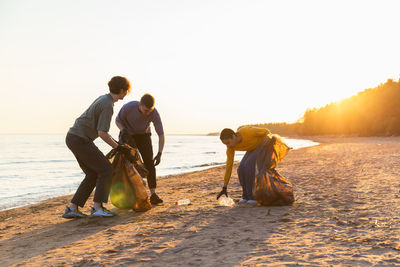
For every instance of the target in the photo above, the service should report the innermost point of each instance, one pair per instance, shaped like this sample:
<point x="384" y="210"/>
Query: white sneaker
<point x="252" y="202"/>
<point x="102" y="212"/>
<point x="242" y="201"/>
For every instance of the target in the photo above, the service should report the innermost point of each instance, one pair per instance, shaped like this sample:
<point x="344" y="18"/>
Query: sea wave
<point x="186" y="167"/>
<point x="35" y="161"/>
<point x="208" y="164"/>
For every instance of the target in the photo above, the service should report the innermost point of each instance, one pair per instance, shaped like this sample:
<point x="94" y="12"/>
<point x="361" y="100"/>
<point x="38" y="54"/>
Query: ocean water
<point x="37" y="167"/>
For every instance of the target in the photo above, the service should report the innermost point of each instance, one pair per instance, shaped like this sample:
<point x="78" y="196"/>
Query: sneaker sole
<point x="72" y="217"/>
<point x="104" y="216"/>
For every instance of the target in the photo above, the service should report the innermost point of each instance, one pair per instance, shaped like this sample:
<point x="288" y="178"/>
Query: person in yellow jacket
<point x="249" y="139"/>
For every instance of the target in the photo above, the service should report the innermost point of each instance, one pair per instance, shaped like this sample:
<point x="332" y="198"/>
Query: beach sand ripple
<point x="346" y="213"/>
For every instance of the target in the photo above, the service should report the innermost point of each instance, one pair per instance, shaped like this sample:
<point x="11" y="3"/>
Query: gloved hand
<point x="124" y="136"/>
<point x="223" y="192"/>
<point x="157" y="159"/>
<point x="124" y="149"/>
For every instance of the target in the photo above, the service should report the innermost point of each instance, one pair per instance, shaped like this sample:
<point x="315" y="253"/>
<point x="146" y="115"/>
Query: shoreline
<point x="319" y="139"/>
<point x="199" y="167"/>
<point x="345" y="190"/>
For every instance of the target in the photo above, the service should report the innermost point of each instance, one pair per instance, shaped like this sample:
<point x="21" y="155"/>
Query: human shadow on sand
<point x="36" y="242"/>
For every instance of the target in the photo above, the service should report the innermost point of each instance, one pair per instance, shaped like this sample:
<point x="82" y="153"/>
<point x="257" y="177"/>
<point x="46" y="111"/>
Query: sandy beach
<point x="346" y="213"/>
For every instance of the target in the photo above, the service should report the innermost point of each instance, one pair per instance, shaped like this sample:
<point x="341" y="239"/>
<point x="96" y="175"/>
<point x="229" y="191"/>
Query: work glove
<point x="223" y="192"/>
<point x="157" y="159"/>
<point x="126" y="138"/>
<point x="124" y="149"/>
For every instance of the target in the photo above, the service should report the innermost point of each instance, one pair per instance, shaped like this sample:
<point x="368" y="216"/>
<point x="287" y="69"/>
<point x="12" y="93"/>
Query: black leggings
<point x="95" y="165"/>
<point x="143" y="143"/>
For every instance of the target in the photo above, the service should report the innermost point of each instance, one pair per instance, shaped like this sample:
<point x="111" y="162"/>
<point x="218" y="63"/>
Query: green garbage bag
<point x="128" y="189"/>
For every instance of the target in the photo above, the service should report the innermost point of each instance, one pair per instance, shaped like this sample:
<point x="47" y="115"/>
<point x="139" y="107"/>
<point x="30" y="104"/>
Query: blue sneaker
<point x="72" y="214"/>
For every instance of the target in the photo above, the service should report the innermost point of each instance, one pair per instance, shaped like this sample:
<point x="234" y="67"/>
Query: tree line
<point x="372" y="112"/>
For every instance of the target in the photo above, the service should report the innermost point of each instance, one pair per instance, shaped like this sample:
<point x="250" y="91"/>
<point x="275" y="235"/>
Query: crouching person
<point x="249" y="139"/>
<point x="95" y="122"/>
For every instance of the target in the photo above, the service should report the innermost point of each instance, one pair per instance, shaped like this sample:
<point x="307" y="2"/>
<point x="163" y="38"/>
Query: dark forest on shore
<point x="372" y="112"/>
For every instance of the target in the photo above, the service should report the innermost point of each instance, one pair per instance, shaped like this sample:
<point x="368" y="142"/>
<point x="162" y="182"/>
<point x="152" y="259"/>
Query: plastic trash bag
<point x="270" y="188"/>
<point x="127" y="189"/>
<point x="226" y="201"/>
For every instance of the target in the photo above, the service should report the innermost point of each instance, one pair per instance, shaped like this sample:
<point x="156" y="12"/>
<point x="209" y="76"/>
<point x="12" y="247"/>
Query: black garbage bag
<point x="270" y="188"/>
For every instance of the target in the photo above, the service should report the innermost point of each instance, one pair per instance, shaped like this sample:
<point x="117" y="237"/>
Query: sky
<point x="209" y="64"/>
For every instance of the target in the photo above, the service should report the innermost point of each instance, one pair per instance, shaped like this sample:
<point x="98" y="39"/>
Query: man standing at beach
<point x="134" y="120"/>
<point x="95" y="122"/>
<point x="249" y="139"/>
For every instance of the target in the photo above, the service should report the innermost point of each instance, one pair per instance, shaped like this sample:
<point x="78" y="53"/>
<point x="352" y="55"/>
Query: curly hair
<point x="117" y="83"/>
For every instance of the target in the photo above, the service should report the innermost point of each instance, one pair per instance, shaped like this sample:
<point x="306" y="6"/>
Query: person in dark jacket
<point x="134" y="120"/>
<point x="95" y="122"/>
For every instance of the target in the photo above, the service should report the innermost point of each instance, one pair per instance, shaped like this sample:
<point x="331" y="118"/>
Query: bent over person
<point x="134" y="120"/>
<point x="94" y="122"/>
<point x="249" y="139"/>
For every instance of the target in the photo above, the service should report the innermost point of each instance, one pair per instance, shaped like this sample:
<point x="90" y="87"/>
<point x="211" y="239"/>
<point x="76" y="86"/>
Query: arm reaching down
<point x="108" y="139"/>
<point x="161" y="142"/>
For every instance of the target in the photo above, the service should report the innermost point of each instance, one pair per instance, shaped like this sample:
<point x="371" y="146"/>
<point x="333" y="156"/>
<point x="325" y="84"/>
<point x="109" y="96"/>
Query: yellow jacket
<point x="251" y="138"/>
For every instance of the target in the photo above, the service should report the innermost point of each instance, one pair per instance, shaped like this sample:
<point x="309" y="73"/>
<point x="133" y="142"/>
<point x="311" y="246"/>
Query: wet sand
<point x="346" y="213"/>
